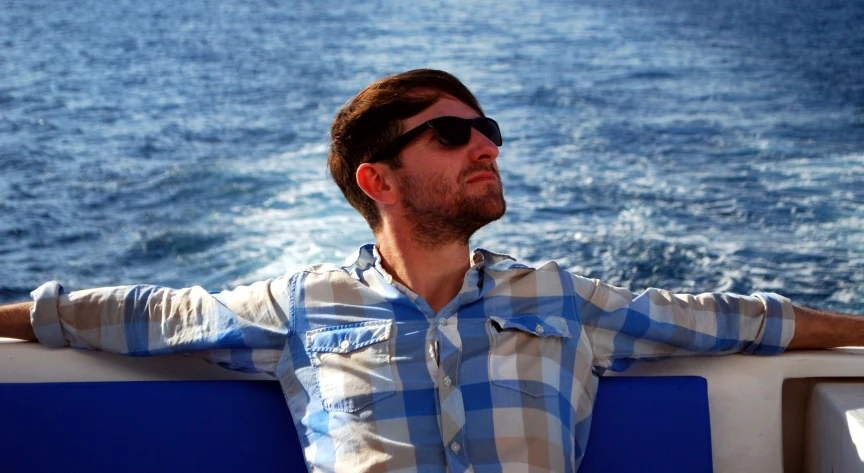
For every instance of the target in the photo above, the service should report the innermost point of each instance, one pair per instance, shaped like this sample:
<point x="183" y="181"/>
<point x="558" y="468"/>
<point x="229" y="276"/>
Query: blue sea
<point x="693" y="145"/>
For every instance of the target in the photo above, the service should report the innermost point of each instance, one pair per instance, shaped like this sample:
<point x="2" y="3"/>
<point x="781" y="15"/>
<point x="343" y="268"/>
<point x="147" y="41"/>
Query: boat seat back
<point x="640" y="424"/>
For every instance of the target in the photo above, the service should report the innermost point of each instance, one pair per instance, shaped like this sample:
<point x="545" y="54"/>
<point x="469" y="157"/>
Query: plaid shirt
<point x="503" y="378"/>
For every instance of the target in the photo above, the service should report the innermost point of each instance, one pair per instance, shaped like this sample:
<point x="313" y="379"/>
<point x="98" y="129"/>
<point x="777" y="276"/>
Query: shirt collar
<point x="363" y="258"/>
<point x="481" y="258"/>
<point x="368" y="256"/>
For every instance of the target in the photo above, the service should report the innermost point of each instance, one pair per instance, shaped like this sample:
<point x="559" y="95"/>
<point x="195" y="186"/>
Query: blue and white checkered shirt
<point x="502" y="379"/>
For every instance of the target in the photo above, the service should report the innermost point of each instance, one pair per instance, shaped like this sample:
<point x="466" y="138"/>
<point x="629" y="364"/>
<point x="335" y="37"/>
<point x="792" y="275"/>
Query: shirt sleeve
<point x="243" y="329"/>
<point x="624" y="327"/>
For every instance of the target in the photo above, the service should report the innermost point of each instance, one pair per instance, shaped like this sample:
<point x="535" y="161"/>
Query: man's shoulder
<point x="513" y="278"/>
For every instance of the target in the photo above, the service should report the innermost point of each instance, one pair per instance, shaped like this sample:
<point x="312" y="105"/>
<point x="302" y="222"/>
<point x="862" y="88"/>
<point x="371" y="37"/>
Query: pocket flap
<point x="542" y="326"/>
<point x="347" y="338"/>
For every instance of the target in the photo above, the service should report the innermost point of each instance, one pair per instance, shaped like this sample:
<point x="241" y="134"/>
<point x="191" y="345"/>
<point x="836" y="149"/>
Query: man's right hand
<point x="15" y="321"/>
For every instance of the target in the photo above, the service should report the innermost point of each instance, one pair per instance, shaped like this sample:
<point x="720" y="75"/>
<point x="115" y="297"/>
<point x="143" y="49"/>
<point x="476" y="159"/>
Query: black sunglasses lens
<point x="488" y="127"/>
<point x="455" y="131"/>
<point x="451" y="131"/>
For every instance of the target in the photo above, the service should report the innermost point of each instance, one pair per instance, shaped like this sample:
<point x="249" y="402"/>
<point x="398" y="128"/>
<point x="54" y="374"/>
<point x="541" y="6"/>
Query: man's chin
<point x="499" y="213"/>
<point x="490" y="209"/>
<point x="495" y="201"/>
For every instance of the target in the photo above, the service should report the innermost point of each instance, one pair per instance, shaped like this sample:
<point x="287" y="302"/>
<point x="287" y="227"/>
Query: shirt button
<point x="345" y="344"/>
<point x="539" y="329"/>
<point x="454" y="447"/>
<point x="442" y="321"/>
<point x="448" y="382"/>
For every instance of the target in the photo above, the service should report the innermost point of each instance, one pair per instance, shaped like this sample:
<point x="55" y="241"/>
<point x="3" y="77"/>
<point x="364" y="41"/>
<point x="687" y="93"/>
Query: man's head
<point x="382" y="112"/>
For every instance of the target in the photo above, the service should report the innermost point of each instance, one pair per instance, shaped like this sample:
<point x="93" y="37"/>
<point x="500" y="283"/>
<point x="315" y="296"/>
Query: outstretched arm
<point x="15" y="321"/>
<point x="813" y="328"/>
<point x="242" y="329"/>
<point x="625" y="327"/>
<point x="820" y="329"/>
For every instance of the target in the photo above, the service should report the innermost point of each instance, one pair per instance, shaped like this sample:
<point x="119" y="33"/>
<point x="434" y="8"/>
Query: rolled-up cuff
<point x="778" y="325"/>
<point x="44" y="316"/>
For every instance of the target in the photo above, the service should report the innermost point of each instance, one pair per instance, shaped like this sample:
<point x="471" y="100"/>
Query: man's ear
<point x="374" y="180"/>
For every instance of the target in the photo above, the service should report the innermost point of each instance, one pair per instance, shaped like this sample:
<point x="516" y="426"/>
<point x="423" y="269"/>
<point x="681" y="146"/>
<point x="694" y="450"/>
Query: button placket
<point x="449" y="394"/>
<point x="457" y="454"/>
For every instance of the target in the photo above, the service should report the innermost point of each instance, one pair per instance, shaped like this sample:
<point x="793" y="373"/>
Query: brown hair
<point x="370" y="121"/>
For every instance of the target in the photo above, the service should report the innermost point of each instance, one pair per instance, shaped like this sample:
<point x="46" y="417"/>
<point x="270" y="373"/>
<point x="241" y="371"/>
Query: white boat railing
<point x="759" y="404"/>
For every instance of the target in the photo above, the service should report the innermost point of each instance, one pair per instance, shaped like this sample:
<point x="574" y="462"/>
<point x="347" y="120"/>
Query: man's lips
<point x="482" y="177"/>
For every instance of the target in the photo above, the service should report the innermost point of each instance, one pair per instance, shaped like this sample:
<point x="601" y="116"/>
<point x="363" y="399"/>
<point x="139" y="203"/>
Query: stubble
<point x="440" y="212"/>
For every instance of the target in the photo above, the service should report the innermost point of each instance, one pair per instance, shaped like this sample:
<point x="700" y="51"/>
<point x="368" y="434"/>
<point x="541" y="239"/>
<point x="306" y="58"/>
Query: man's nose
<point x="482" y="148"/>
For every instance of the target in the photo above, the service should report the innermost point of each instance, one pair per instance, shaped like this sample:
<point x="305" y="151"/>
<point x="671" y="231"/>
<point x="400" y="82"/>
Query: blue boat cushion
<point x="650" y="424"/>
<point x="640" y="424"/>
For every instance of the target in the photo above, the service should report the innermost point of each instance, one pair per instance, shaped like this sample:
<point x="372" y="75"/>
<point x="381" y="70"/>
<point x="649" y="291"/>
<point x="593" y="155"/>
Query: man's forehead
<point x="445" y="106"/>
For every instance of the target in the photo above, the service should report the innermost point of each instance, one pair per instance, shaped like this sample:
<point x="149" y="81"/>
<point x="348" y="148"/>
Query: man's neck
<point x="436" y="274"/>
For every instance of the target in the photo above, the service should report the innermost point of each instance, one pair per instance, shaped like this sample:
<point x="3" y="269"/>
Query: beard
<point x="440" y="212"/>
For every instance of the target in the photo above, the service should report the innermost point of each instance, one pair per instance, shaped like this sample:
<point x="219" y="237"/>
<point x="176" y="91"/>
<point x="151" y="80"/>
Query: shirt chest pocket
<point x="352" y="364"/>
<point x="525" y="353"/>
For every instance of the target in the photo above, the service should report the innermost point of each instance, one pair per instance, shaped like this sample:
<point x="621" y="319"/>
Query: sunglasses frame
<point x="394" y="147"/>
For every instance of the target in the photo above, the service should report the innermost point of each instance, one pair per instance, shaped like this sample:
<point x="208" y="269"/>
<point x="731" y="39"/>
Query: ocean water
<point x="692" y="145"/>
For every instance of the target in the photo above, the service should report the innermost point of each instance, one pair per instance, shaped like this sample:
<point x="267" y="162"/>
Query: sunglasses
<point x="450" y="131"/>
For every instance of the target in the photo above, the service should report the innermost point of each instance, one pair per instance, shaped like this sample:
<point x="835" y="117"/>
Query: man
<point x="418" y="355"/>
